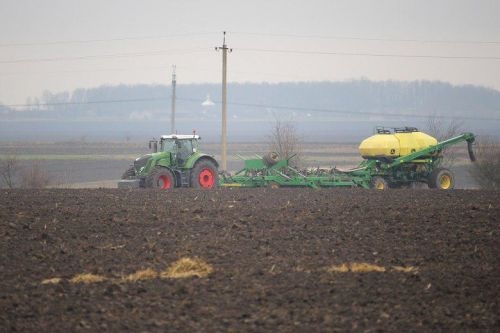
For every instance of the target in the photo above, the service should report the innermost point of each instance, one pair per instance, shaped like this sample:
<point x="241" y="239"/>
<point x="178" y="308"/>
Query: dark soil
<point x="271" y="252"/>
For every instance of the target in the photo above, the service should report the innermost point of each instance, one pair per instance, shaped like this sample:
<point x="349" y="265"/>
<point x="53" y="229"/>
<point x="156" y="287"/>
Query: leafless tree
<point x="443" y="129"/>
<point x="9" y="168"/>
<point x="486" y="170"/>
<point x="35" y="176"/>
<point x="285" y="140"/>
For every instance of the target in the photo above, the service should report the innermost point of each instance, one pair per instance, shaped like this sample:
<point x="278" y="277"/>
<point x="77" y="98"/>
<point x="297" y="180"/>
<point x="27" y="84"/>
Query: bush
<point x="442" y="130"/>
<point x="285" y="141"/>
<point x="486" y="170"/>
<point x="35" y="176"/>
<point x="9" y="168"/>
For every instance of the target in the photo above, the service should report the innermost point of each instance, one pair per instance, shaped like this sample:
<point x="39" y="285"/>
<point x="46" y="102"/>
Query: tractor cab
<point x="180" y="146"/>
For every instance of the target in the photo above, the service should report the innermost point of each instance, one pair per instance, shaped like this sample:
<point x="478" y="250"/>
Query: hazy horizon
<point x="326" y="111"/>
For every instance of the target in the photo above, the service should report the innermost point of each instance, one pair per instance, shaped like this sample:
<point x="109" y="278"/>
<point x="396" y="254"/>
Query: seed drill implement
<point x="392" y="158"/>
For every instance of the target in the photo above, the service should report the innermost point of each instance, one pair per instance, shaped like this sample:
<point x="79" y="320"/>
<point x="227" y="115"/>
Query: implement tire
<point x="130" y="173"/>
<point x="161" y="178"/>
<point x="204" y="175"/>
<point x="273" y="185"/>
<point x="271" y="158"/>
<point x="442" y="179"/>
<point x="379" y="183"/>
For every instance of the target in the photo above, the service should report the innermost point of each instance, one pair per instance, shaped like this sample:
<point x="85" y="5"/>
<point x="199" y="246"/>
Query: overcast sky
<point x="61" y="45"/>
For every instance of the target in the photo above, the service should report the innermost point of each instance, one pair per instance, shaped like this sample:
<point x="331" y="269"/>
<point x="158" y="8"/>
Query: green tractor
<point x="177" y="163"/>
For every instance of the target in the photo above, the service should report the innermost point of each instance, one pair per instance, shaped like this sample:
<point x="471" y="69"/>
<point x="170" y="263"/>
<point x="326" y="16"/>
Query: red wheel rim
<point x="164" y="182"/>
<point x="206" y="178"/>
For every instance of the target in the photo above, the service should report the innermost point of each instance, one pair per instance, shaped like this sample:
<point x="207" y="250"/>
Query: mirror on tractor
<point x="153" y="144"/>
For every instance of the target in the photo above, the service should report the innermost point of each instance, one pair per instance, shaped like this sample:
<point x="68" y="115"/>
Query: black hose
<point x="471" y="151"/>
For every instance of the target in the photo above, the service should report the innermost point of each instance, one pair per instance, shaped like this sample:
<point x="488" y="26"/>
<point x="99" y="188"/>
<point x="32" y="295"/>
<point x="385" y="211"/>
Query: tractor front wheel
<point x="379" y="183"/>
<point x="441" y="179"/>
<point x="204" y="175"/>
<point x="161" y="178"/>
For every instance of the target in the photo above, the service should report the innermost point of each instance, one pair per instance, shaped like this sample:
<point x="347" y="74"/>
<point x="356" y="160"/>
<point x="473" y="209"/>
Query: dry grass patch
<point x="364" y="267"/>
<point x="55" y="280"/>
<point x="87" y="278"/>
<point x="402" y="269"/>
<point x="145" y="274"/>
<point x="355" y="267"/>
<point x="338" y="268"/>
<point x="187" y="267"/>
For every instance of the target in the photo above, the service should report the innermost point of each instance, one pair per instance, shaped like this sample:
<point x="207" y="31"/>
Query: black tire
<point x="130" y="173"/>
<point x="271" y="158"/>
<point x="442" y="179"/>
<point x="161" y="178"/>
<point x="273" y="185"/>
<point x="379" y="183"/>
<point x="204" y="175"/>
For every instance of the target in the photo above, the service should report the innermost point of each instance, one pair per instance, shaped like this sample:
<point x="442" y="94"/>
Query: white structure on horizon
<point x="208" y="102"/>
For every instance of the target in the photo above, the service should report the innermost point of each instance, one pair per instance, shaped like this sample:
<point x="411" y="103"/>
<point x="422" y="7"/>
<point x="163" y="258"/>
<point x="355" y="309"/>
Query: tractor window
<point x="184" y="150"/>
<point x="184" y="146"/>
<point x="194" y="145"/>
<point x="168" y="145"/>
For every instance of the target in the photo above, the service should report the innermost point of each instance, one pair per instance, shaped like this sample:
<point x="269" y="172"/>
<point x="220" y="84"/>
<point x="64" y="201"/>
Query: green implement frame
<point x="256" y="173"/>
<point x="418" y="167"/>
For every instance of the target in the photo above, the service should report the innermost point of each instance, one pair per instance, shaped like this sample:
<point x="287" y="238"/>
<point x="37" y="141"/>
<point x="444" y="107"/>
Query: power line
<point x="109" y="101"/>
<point x="433" y="41"/>
<point x="300" y="36"/>
<point x="259" y="106"/>
<point x="110" y="69"/>
<point x="87" y="41"/>
<point x="112" y="55"/>
<point x="353" y="112"/>
<point x="368" y="54"/>
<point x="280" y="51"/>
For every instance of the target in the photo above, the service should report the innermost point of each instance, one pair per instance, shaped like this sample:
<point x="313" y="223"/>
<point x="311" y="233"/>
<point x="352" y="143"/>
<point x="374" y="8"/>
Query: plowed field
<point x="256" y="260"/>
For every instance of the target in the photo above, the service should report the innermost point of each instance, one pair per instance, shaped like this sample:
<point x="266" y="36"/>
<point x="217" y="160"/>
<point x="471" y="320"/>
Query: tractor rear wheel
<point x="441" y="179"/>
<point x="204" y="175"/>
<point x="379" y="183"/>
<point x="129" y="173"/>
<point x="161" y="178"/>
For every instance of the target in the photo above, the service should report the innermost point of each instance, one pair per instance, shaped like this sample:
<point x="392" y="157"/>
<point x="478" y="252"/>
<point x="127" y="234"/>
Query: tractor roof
<point x="180" y="136"/>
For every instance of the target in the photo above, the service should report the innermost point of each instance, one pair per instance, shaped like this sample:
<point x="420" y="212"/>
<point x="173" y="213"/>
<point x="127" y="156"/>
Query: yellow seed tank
<point x="396" y="143"/>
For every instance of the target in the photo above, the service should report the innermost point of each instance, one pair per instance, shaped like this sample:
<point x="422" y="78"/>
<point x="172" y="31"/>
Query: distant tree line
<point x="255" y="99"/>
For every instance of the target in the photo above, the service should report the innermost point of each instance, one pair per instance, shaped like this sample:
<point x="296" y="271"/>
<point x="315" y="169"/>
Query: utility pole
<point x="172" y="112"/>
<point x="224" y="49"/>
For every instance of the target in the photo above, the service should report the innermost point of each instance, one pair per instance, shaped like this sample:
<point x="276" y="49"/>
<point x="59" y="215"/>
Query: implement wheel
<point x="161" y="178"/>
<point x="204" y="175"/>
<point x="273" y="185"/>
<point x="379" y="183"/>
<point x="441" y="179"/>
<point x="271" y="158"/>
